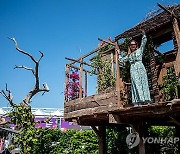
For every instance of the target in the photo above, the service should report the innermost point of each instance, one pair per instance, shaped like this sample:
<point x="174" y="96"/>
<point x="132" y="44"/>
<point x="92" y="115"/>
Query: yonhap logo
<point x="132" y="140"/>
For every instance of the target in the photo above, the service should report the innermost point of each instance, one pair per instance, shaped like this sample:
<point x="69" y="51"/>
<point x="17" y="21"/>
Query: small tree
<point x="21" y="114"/>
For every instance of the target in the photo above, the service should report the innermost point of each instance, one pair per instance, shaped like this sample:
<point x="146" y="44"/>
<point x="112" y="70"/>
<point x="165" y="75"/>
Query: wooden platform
<point x="102" y="109"/>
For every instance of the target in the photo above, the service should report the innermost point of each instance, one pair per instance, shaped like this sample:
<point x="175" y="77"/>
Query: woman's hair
<point x="133" y="41"/>
<point x="129" y="50"/>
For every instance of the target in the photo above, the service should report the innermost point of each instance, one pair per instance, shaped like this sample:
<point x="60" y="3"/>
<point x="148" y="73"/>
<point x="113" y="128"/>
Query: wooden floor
<point x="102" y="109"/>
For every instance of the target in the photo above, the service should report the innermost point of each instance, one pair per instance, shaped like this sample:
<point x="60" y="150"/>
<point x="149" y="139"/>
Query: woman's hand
<point x="143" y="31"/>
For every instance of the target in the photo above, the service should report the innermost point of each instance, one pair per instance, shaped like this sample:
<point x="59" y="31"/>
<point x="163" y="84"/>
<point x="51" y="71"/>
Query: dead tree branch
<point x="24" y="67"/>
<point x="35" y="72"/>
<point x="42" y="55"/>
<point x="22" y="51"/>
<point x="8" y="95"/>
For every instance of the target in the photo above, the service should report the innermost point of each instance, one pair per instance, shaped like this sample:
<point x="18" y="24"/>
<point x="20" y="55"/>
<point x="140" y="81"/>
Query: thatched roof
<point x="151" y="24"/>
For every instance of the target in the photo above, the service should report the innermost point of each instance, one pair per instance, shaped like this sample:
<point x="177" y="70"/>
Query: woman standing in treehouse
<point x="139" y="81"/>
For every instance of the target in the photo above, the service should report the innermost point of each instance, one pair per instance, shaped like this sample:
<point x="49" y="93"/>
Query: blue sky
<point x="58" y="28"/>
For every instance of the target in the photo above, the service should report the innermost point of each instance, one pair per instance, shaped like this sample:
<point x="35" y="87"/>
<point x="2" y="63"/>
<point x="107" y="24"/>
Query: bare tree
<point x="8" y="95"/>
<point x="21" y="114"/>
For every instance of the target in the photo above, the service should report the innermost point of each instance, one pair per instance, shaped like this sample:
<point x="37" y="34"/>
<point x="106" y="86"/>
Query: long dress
<point x="139" y="81"/>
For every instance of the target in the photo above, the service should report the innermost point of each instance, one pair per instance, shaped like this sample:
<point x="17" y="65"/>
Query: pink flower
<point x="74" y="76"/>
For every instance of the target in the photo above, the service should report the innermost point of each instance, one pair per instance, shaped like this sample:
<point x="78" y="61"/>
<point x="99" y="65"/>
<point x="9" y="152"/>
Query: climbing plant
<point x="170" y="84"/>
<point x="103" y="69"/>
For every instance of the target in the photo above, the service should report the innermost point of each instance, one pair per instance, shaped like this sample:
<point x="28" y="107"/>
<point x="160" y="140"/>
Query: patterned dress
<point x="139" y="81"/>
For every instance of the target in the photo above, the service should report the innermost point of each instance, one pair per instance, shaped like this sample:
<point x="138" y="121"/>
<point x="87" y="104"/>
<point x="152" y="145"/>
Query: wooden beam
<point x="166" y="10"/>
<point x="66" y="82"/>
<point x="86" y="82"/>
<point x="119" y="84"/>
<point x="86" y="112"/>
<point x="175" y="121"/>
<point x="78" y="61"/>
<point x="86" y="55"/>
<point x="83" y="69"/>
<point x="108" y="42"/>
<point x="114" y="118"/>
<point x="177" y="36"/>
<point x="81" y="78"/>
<point x="112" y="63"/>
<point x="155" y="114"/>
<point x="108" y="100"/>
<point x="96" y="131"/>
<point x="162" y="34"/>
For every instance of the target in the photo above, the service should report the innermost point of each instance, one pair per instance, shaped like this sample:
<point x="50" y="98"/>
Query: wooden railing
<point x="83" y="73"/>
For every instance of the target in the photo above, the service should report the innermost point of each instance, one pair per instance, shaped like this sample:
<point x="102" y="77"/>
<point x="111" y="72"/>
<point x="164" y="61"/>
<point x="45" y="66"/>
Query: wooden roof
<point x="151" y="24"/>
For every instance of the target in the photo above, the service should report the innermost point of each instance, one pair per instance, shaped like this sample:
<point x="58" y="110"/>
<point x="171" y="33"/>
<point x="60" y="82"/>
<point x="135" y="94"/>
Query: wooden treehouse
<point x="112" y="106"/>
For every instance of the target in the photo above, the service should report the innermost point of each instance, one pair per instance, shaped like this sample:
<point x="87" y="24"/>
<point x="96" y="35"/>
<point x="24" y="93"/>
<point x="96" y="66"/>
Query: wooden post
<point x="112" y="63"/>
<point x="139" y="127"/>
<point x="154" y="79"/>
<point x="141" y="146"/>
<point x="85" y="92"/>
<point x="177" y="134"/>
<point x="102" y="140"/>
<point x="101" y="133"/>
<point x="80" y="78"/>
<point x="177" y="36"/>
<point x="176" y="31"/>
<point x="66" y="82"/>
<point x="119" y="85"/>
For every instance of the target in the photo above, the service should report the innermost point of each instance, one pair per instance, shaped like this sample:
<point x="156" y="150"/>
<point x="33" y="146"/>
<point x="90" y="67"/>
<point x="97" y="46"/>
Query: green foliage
<point x="53" y="141"/>
<point x="162" y="131"/>
<point x="170" y="84"/>
<point x="116" y="140"/>
<point x="21" y="116"/>
<point x="73" y="142"/>
<point x="23" y="119"/>
<point x="125" y="72"/>
<point x="105" y="48"/>
<point x="103" y="68"/>
<point x="48" y="139"/>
